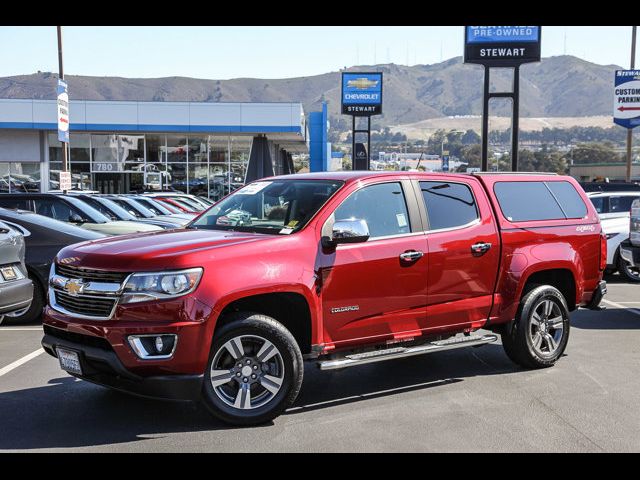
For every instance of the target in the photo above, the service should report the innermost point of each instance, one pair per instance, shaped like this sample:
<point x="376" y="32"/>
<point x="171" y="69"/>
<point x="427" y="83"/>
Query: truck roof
<point x="353" y="175"/>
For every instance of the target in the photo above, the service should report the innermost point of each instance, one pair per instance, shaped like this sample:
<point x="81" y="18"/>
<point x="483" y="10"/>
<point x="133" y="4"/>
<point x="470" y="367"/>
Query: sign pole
<point x="630" y="131"/>
<point x="515" y="123"/>
<point x="61" y="76"/>
<point x="353" y="142"/>
<point x="485" y="121"/>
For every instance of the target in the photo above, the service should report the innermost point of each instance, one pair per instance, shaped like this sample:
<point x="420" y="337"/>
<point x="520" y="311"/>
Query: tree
<point x="594" y="153"/>
<point x="470" y="137"/>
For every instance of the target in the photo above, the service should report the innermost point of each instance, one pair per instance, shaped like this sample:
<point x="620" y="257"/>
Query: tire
<point x="277" y="375"/>
<point x="631" y="274"/>
<point x="34" y="311"/>
<point x="538" y="346"/>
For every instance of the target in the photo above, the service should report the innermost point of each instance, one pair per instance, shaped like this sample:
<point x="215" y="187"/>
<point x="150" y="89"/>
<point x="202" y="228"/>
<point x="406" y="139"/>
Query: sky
<point x="267" y="52"/>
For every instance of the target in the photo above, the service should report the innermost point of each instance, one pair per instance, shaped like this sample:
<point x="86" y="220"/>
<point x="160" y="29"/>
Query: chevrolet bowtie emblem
<point x="74" y="287"/>
<point x="362" y="83"/>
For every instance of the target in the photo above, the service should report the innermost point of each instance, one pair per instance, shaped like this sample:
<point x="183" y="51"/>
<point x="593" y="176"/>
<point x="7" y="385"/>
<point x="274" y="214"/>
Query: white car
<point x="614" y="210"/>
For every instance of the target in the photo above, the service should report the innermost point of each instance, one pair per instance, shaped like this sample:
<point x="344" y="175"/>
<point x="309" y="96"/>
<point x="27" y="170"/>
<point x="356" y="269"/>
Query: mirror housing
<point x="347" y="231"/>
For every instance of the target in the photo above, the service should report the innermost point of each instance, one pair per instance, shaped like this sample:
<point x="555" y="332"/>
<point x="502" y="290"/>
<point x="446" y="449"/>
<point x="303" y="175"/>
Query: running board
<point x="401" y="352"/>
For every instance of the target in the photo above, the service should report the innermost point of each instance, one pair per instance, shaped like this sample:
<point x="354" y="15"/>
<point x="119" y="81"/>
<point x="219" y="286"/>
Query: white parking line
<point x="20" y="361"/>
<point x="617" y="305"/>
<point x="21" y="329"/>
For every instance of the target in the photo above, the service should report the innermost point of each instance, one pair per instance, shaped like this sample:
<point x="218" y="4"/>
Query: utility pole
<point x="630" y="130"/>
<point x="61" y="76"/>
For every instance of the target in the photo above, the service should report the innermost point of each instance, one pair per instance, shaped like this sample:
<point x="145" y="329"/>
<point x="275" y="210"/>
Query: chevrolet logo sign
<point x="74" y="287"/>
<point x="362" y="83"/>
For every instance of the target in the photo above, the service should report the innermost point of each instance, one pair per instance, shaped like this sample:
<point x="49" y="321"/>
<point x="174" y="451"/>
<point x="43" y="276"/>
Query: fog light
<point x="153" y="347"/>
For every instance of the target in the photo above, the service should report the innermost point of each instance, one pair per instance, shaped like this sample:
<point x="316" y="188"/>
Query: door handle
<point x="411" y="255"/>
<point x="480" y="248"/>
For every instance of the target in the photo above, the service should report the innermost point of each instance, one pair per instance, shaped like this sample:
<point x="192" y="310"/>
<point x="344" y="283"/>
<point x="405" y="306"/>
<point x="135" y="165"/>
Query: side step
<point x="400" y="352"/>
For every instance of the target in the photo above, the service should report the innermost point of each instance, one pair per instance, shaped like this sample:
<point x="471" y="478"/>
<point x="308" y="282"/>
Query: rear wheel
<point x="539" y="334"/>
<point x="627" y="271"/>
<point x="254" y="372"/>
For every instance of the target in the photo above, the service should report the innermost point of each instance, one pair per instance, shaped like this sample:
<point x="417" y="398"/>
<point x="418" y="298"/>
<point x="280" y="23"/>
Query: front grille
<point x="91" y="306"/>
<point x="89" y="275"/>
<point x="88" y="340"/>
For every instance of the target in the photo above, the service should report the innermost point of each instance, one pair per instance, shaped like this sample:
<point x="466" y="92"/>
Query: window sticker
<point x="402" y="220"/>
<point x="286" y="231"/>
<point x="254" y="188"/>
<point x="292" y="223"/>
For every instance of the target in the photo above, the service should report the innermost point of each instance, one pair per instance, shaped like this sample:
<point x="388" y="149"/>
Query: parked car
<point x="181" y="201"/>
<point x="115" y="212"/>
<point x="610" y="187"/>
<point x="613" y="209"/>
<point x="158" y="208"/>
<point x="44" y="237"/>
<point x="630" y="249"/>
<point x="16" y="290"/>
<point x="141" y="212"/>
<point x="342" y="268"/>
<point x="72" y="210"/>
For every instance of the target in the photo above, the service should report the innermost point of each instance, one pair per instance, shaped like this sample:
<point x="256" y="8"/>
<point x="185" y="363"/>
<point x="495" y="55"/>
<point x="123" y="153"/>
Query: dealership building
<point x="124" y="146"/>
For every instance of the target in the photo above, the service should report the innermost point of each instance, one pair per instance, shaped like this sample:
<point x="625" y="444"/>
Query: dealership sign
<point x="63" y="111"/>
<point x="626" y="98"/>
<point x="501" y="46"/>
<point x="361" y="93"/>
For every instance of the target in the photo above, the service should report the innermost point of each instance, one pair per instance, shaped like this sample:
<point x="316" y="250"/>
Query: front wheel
<point x="254" y="372"/>
<point x="539" y="334"/>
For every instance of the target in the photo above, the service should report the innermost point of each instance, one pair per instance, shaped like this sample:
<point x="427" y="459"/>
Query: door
<point x="376" y="289"/>
<point x="464" y="253"/>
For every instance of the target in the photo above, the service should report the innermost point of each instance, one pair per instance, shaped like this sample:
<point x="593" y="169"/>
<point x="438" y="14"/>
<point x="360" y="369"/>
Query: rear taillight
<point x="603" y="251"/>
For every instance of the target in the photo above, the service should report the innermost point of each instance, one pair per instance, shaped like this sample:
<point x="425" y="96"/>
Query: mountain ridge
<point x="559" y="86"/>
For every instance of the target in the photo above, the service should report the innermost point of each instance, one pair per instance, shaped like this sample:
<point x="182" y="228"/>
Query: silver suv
<point x="16" y="290"/>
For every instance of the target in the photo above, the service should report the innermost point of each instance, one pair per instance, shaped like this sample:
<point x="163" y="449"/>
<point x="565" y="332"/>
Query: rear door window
<point x="449" y="205"/>
<point x="526" y="201"/>
<point x="621" y="204"/>
<point x="15" y="203"/>
<point x="600" y="203"/>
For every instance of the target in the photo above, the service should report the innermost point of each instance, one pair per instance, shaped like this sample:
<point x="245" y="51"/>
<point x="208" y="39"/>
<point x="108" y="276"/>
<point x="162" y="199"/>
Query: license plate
<point x="8" y="273"/>
<point x="69" y="361"/>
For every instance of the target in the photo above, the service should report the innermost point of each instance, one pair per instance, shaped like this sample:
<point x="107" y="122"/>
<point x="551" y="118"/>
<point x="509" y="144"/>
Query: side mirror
<point x="75" y="218"/>
<point x="348" y="231"/>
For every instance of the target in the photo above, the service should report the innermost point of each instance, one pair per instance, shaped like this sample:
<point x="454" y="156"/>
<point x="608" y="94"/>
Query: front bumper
<point x="15" y="295"/>
<point x="630" y="253"/>
<point x="101" y="365"/>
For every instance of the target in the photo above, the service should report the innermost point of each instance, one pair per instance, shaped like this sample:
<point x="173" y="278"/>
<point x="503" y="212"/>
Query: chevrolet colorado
<point x="341" y="268"/>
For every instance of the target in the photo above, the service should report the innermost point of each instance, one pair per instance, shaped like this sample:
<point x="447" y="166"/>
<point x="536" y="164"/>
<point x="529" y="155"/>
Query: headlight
<point x="142" y="287"/>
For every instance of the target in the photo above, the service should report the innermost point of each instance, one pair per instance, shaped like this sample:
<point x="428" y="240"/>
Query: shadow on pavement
<point x="609" y="319"/>
<point x="69" y="413"/>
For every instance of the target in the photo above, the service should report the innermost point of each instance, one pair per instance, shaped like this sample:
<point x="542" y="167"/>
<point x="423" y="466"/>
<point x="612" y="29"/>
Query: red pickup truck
<point x="342" y="268"/>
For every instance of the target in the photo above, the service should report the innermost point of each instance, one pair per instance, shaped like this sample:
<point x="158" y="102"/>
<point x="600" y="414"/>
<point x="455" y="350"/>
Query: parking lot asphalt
<point x="463" y="400"/>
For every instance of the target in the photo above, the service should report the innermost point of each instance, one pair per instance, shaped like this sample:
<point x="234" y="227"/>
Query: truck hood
<point x="166" y="249"/>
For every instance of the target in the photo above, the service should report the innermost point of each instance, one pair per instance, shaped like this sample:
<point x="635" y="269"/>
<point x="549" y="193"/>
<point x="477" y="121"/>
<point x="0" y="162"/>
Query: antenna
<point x="375" y="51"/>
<point x="565" y="40"/>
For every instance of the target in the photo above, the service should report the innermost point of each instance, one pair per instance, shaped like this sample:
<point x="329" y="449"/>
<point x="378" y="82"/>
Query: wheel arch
<point x="291" y="308"/>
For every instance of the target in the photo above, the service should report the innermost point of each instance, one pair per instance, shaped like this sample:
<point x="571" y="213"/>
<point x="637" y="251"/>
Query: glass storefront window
<point x="176" y="149"/>
<point x="177" y="176"/>
<point x="19" y="177"/>
<point x="131" y="150"/>
<point x="240" y="151"/>
<point x="104" y="154"/>
<point x="80" y="176"/>
<point x="79" y="147"/>
<point x="198" y="178"/>
<point x="218" y="180"/>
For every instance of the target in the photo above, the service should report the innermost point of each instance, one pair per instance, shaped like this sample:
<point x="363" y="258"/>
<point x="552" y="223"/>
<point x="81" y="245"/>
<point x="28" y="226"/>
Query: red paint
<point x="446" y="291"/>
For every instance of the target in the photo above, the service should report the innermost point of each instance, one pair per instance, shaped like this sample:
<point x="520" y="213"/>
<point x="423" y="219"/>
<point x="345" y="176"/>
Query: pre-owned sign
<point x="63" y="111"/>
<point x="361" y="93"/>
<point x="501" y="46"/>
<point x="626" y="98"/>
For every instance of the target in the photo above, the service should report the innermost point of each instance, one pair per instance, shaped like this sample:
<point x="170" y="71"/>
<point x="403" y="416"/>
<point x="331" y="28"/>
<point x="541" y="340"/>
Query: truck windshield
<point x="275" y="207"/>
